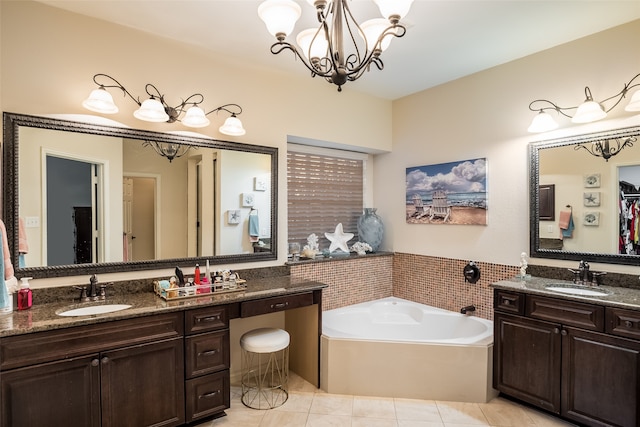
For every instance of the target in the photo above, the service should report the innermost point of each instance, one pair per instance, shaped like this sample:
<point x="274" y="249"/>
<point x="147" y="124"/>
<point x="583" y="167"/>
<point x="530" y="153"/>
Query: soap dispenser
<point x="25" y="295"/>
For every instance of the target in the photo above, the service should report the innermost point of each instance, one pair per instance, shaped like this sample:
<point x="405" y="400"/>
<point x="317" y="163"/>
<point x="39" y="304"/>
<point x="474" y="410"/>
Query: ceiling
<point x="446" y="39"/>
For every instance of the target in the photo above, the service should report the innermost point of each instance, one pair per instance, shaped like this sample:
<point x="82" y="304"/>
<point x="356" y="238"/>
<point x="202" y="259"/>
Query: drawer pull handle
<point x="506" y="302"/>
<point x="563" y="333"/>
<point x="628" y="324"/>
<point x="95" y="362"/>
<point x="105" y="360"/>
<point x="556" y="330"/>
<point x="279" y="305"/>
<point x="209" y="318"/>
<point x="208" y="353"/>
<point x="209" y="395"/>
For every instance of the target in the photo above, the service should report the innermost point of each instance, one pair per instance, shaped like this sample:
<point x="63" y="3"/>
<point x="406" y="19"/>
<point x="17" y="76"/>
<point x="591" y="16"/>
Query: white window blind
<point x="323" y="191"/>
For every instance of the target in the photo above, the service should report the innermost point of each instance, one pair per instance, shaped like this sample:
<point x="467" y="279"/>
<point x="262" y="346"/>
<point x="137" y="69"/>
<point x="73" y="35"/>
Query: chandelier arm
<point x="349" y="18"/>
<point x="224" y="108"/>
<point x="117" y="85"/>
<point x="552" y="106"/>
<point x="280" y="46"/>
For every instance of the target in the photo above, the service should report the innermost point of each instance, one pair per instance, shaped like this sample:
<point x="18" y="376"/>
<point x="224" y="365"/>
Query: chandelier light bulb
<point x="151" y="110"/>
<point x="312" y="47"/>
<point x="280" y="16"/>
<point x="373" y="29"/>
<point x="100" y="101"/>
<point x="542" y="122"/>
<point x="195" y="118"/>
<point x="232" y="126"/>
<point x="634" y="104"/>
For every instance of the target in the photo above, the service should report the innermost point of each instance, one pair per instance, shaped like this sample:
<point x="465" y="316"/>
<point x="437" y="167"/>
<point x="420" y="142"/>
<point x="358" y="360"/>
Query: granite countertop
<point x="618" y="296"/>
<point x="44" y="317"/>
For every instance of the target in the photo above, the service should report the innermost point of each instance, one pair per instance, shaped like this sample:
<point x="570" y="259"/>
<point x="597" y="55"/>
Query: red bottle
<point x="25" y="295"/>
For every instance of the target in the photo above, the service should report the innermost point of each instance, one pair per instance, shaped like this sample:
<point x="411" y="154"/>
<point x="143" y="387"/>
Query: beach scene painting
<point x="447" y="193"/>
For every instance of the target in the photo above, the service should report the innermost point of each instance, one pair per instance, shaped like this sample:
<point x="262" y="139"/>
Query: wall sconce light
<point x="155" y="109"/>
<point x="606" y="148"/>
<point x="587" y="112"/>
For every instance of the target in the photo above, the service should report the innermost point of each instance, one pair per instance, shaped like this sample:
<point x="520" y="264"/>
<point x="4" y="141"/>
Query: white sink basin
<point x="578" y="290"/>
<point x="94" y="309"/>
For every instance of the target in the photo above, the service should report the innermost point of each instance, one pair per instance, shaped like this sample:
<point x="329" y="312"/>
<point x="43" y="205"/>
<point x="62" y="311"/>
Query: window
<point x="324" y="189"/>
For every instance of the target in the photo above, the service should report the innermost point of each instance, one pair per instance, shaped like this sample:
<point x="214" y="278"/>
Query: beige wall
<point x="49" y="56"/>
<point x="486" y="115"/>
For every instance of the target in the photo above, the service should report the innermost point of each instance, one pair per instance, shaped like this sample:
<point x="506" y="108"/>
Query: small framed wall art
<point x="591" y="198"/>
<point x="260" y="183"/>
<point x="248" y="199"/>
<point x="592" y="180"/>
<point x="233" y="216"/>
<point x="592" y="218"/>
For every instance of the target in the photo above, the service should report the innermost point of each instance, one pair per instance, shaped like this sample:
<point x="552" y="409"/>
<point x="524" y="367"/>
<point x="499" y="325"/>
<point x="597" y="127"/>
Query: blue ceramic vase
<point x="370" y="228"/>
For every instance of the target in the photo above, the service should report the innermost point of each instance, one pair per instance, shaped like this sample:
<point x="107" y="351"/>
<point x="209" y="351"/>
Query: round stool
<point x="265" y="368"/>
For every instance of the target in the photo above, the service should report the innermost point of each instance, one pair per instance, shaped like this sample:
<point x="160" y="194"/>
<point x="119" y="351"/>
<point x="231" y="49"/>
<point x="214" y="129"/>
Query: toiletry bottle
<point x="197" y="274"/>
<point x="25" y="295"/>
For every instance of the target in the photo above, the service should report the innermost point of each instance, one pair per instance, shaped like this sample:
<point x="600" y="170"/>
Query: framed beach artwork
<point x="447" y="193"/>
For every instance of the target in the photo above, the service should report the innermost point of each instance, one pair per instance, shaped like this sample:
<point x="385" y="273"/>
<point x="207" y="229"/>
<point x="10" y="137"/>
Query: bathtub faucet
<point x="468" y="308"/>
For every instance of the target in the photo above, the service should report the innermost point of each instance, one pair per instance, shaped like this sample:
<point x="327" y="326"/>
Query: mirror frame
<point x="534" y="199"/>
<point x="11" y="150"/>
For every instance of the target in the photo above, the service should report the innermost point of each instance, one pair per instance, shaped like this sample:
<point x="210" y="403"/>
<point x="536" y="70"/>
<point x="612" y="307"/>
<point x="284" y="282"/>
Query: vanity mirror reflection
<point x="598" y="195"/>
<point x="92" y="198"/>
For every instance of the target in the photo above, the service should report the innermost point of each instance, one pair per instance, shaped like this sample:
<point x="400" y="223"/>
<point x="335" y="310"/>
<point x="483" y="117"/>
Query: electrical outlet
<point x="549" y="228"/>
<point x="32" y="222"/>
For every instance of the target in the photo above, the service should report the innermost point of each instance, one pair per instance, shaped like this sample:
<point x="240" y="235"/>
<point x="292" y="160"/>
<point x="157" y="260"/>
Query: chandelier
<point x="156" y="109"/>
<point x="339" y="49"/>
<point x="606" y="148"/>
<point x="170" y="150"/>
<point x="587" y="112"/>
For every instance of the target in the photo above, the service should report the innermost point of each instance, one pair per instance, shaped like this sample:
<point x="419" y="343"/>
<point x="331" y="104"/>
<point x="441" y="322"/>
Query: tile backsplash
<point x="434" y="281"/>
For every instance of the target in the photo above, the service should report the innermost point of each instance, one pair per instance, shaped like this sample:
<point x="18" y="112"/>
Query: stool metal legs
<point x="265" y="379"/>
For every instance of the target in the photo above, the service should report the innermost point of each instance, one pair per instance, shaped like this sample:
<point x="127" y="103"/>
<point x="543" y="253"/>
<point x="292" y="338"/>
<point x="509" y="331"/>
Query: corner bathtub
<point x="397" y="348"/>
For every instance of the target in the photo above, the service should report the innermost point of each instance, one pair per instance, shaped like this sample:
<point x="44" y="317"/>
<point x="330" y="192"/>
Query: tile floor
<point x="309" y="407"/>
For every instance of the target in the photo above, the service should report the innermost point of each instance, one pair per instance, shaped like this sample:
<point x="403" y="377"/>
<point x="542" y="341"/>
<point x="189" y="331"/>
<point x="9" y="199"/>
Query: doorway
<point x="140" y="218"/>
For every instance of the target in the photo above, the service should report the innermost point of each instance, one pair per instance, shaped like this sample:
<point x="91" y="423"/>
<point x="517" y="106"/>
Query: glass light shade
<point x="634" y="104"/>
<point x="100" y="101"/>
<point x="280" y="16"/>
<point x="151" y="110"/>
<point x="195" y="118"/>
<point x="372" y="29"/>
<point x="393" y="7"/>
<point x="542" y="122"/>
<point x="232" y="126"/>
<point x="319" y="46"/>
<point x="589" y="111"/>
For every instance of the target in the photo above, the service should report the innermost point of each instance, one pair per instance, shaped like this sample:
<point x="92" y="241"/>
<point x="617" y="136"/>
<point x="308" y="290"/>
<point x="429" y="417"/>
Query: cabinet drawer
<point x="39" y="347"/>
<point x="570" y="313"/>
<point x="625" y="323"/>
<point x="275" y="304"/>
<point x="509" y="302"/>
<point x="206" y="319"/>
<point x="207" y="395"/>
<point x="207" y="353"/>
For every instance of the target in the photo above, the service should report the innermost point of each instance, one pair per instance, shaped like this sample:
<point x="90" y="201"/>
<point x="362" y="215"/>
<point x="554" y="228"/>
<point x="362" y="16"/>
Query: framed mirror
<point x="82" y="198"/>
<point x="594" y="198"/>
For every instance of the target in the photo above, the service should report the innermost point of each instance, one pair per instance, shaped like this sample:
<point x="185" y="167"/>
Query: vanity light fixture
<point x="606" y="148"/>
<point x="339" y="49"/>
<point x="587" y="112"/>
<point x="156" y="109"/>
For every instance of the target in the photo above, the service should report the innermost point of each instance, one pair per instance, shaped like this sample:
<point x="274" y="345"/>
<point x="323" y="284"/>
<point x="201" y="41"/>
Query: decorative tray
<point x="192" y="291"/>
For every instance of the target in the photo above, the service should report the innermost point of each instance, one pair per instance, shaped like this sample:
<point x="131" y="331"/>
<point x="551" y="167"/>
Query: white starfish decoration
<point x="339" y="239"/>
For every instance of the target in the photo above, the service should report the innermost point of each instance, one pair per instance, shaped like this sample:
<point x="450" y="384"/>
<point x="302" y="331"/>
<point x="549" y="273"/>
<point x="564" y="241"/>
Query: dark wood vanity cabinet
<point x="122" y="373"/>
<point x="207" y="360"/>
<point x="563" y="356"/>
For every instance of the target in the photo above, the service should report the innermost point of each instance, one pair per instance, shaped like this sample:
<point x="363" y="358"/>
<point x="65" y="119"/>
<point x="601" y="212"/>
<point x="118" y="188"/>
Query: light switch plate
<point x="32" y="222"/>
